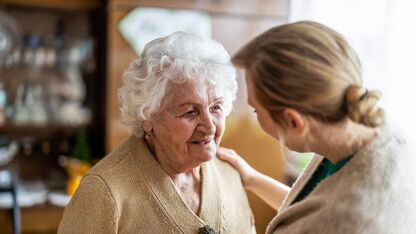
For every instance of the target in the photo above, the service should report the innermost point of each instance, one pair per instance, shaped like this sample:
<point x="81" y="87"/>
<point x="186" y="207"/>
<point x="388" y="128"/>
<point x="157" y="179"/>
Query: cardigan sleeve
<point x="91" y="210"/>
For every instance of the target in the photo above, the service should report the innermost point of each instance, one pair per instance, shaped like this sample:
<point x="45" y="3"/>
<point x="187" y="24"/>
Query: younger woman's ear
<point x="294" y="120"/>
<point x="147" y="126"/>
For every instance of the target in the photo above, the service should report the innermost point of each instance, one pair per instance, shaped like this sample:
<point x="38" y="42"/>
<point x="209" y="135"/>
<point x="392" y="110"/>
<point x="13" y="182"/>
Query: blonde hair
<point x="312" y="69"/>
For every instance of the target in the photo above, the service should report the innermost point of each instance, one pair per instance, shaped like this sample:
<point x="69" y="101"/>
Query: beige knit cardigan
<point x="128" y="192"/>
<point x="374" y="193"/>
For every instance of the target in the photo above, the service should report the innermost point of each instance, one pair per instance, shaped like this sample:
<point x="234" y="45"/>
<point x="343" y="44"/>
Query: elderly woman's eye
<point x="217" y="108"/>
<point x="192" y="112"/>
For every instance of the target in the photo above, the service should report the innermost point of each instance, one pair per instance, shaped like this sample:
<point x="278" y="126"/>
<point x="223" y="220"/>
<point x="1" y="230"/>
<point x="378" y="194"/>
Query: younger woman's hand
<point x="247" y="173"/>
<point x="270" y="190"/>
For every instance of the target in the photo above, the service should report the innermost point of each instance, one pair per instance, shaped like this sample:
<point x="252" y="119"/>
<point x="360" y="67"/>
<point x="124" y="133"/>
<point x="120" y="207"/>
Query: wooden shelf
<point x="242" y="8"/>
<point x="44" y="131"/>
<point x="60" y="4"/>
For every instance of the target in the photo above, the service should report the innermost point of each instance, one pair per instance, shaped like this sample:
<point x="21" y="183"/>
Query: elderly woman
<point x="304" y="82"/>
<point x="165" y="178"/>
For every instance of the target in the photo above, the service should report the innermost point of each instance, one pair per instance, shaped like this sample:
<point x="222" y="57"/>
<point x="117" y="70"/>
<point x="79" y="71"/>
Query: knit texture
<point x="374" y="193"/>
<point x="128" y="192"/>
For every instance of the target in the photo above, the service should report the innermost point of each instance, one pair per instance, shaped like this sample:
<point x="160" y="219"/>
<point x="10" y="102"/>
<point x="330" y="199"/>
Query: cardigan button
<point x="206" y="230"/>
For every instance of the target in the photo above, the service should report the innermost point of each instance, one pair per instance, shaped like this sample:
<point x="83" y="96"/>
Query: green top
<point x="325" y="169"/>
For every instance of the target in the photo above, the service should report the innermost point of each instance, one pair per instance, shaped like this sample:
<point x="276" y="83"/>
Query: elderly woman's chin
<point x="203" y="151"/>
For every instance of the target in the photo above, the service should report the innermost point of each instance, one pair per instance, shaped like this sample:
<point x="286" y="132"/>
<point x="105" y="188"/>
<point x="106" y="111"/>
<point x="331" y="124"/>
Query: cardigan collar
<point x="301" y="181"/>
<point x="168" y="196"/>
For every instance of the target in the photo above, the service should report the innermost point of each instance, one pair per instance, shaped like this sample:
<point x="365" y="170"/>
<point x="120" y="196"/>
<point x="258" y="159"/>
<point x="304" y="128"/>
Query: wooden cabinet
<point x="234" y="22"/>
<point x="39" y="144"/>
<point x="82" y="21"/>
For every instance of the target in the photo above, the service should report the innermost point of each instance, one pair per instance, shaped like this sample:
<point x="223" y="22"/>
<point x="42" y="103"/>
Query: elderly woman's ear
<point x="147" y="126"/>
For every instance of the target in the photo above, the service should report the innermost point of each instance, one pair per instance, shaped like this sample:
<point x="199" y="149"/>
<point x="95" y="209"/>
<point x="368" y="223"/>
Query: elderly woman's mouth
<point x="201" y="142"/>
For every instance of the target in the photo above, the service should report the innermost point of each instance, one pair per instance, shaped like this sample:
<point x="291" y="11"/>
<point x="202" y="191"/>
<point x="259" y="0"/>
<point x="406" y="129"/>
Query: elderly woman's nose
<point x="206" y="124"/>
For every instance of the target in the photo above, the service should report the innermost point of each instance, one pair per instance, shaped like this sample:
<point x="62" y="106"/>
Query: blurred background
<point x="61" y="63"/>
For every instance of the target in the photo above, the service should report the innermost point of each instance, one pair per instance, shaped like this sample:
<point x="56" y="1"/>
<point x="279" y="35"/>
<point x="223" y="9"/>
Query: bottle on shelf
<point x="3" y="103"/>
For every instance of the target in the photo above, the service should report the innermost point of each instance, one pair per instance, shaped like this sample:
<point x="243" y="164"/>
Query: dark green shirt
<point x="325" y="169"/>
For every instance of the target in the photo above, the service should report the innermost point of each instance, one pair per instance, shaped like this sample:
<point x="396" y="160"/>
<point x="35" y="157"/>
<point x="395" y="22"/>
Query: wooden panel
<point x="38" y="219"/>
<point x="263" y="8"/>
<point x="62" y="4"/>
<point x="119" y="57"/>
<point x="233" y="32"/>
<point x="244" y="135"/>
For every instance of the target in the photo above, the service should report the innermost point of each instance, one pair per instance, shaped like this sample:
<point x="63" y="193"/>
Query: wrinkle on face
<point x="189" y="129"/>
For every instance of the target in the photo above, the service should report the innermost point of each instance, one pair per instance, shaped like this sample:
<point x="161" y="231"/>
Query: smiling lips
<point x="202" y="142"/>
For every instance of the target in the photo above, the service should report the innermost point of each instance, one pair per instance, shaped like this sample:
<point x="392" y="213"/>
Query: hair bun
<point x="362" y="106"/>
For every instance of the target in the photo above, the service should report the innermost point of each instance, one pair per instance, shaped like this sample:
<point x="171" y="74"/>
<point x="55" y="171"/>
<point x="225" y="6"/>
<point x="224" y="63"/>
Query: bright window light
<point x="383" y="33"/>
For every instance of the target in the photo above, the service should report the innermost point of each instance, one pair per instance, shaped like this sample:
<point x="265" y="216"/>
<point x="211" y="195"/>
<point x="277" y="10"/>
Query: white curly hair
<point x="176" y="58"/>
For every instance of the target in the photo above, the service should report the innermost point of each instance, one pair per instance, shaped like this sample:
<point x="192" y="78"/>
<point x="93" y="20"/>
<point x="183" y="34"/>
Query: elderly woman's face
<point x="189" y="129"/>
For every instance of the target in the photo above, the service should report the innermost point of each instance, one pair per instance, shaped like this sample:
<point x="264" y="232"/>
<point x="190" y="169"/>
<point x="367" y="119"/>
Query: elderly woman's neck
<point x="176" y="172"/>
<point x="193" y="175"/>
<point x="171" y="168"/>
<point x="339" y="141"/>
<point x="187" y="181"/>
